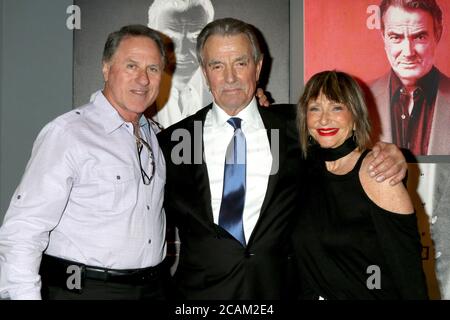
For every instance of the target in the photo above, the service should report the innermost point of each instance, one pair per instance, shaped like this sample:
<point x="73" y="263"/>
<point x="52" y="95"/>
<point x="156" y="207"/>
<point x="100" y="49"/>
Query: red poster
<point x="410" y="105"/>
<point x="339" y="34"/>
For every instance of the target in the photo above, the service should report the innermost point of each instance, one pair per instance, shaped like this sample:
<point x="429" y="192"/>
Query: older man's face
<point x="410" y="43"/>
<point x="231" y="71"/>
<point x="183" y="28"/>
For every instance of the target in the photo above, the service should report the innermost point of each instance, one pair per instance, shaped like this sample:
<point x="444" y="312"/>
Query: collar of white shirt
<point x="250" y="116"/>
<point x="110" y="118"/>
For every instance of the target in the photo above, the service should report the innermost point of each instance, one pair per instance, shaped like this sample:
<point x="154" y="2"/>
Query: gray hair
<point x="429" y="6"/>
<point x="135" y="30"/>
<point x="228" y="27"/>
<point x="341" y="88"/>
<point x="155" y="11"/>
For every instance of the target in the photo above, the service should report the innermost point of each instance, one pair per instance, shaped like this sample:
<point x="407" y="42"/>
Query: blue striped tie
<point x="234" y="182"/>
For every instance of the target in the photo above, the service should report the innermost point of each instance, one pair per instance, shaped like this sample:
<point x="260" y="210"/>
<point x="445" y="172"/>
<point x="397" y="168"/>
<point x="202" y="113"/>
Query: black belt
<point x="54" y="268"/>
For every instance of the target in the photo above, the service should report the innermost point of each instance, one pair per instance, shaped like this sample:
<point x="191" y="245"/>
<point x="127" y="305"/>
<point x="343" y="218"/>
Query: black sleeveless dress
<point x="347" y="247"/>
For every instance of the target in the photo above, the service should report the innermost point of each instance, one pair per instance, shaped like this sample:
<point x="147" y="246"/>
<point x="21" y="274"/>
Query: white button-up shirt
<point x="82" y="198"/>
<point x="217" y="135"/>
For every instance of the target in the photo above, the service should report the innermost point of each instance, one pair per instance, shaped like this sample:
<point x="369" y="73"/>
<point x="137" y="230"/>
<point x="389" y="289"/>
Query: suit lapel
<point x="381" y="93"/>
<point x="199" y="169"/>
<point x="439" y="140"/>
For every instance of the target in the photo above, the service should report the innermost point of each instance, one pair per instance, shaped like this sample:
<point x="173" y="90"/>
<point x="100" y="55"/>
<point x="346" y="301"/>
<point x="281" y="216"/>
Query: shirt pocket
<point x="118" y="188"/>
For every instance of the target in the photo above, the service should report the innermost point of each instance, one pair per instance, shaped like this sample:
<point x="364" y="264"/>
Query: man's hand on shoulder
<point x="262" y="98"/>
<point x="388" y="163"/>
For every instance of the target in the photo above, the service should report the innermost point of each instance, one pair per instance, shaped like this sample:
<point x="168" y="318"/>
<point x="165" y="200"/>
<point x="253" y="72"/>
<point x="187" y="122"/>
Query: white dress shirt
<point x="217" y="135"/>
<point x="82" y="198"/>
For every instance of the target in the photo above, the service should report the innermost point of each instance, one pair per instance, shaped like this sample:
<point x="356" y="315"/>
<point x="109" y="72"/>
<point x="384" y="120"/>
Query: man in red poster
<point x="413" y="103"/>
<point x="413" y="99"/>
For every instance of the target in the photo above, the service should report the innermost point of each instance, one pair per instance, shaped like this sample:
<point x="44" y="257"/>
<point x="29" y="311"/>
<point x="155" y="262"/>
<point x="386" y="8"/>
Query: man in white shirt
<point x="90" y="201"/>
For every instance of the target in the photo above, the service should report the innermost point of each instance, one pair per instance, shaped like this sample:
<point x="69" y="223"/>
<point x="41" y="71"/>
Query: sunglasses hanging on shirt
<point x="140" y="144"/>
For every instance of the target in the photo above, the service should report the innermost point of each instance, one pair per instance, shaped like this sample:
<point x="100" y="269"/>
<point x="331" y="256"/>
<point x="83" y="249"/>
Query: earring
<point x="311" y="140"/>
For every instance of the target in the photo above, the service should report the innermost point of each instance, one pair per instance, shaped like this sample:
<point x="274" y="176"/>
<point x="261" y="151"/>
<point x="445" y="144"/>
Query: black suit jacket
<point x="214" y="265"/>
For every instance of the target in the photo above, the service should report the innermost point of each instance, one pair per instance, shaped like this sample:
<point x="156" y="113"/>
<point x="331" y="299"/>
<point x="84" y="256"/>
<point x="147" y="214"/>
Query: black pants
<point x="100" y="290"/>
<point x="54" y="278"/>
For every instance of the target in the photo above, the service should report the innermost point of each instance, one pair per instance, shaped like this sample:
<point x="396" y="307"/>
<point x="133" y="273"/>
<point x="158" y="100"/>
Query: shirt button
<point x="18" y="197"/>
<point x="433" y="219"/>
<point x="148" y="207"/>
<point x="149" y="241"/>
<point x="118" y="177"/>
<point x="77" y="112"/>
<point x="438" y="254"/>
<point x="403" y="117"/>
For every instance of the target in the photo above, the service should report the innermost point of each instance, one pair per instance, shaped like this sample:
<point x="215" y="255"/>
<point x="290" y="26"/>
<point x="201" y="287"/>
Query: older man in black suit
<point x="233" y="174"/>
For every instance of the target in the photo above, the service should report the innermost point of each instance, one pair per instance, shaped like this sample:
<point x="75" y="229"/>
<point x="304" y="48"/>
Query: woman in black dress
<point x="354" y="238"/>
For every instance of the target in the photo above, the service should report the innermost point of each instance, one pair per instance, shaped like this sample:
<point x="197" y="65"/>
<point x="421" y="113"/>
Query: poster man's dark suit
<point x="440" y="132"/>
<point x="213" y="264"/>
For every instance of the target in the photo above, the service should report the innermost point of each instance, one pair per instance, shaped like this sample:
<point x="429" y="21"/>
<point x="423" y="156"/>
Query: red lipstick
<point x="326" y="132"/>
